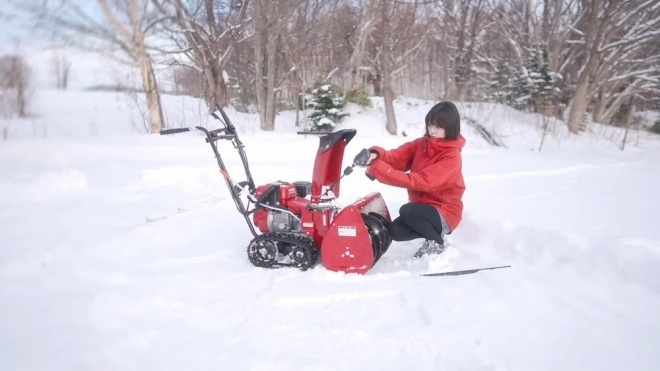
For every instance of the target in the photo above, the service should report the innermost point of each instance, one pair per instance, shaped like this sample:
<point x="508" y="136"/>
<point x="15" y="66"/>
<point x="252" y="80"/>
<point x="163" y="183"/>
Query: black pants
<point x="417" y="220"/>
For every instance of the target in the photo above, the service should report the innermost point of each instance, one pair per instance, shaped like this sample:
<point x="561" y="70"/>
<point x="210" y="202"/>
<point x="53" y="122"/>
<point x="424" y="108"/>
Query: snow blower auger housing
<point x="299" y="221"/>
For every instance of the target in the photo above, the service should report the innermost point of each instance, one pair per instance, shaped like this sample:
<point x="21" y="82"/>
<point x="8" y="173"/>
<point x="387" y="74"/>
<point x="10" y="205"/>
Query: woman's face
<point x="436" y="132"/>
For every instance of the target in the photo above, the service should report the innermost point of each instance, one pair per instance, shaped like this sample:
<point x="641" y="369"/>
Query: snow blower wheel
<point x="303" y="257"/>
<point x="380" y="237"/>
<point x="262" y="253"/>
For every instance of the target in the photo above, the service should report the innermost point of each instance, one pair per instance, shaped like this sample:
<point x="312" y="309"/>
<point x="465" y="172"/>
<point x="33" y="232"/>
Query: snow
<point x="124" y="251"/>
<point x="326" y="121"/>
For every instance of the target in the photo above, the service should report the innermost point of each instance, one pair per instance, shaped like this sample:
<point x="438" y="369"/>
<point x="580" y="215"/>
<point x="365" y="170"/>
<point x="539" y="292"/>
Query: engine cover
<point x="279" y="203"/>
<point x="281" y="222"/>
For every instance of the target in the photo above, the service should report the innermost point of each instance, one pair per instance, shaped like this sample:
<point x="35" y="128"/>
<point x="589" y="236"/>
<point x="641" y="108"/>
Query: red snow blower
<point x="300" y="220"/>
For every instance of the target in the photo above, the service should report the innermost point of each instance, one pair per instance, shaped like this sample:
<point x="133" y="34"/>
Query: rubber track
<point x="304" y="242"/>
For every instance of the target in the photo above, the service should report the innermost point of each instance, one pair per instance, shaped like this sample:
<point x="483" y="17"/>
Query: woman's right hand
<point x="372" y="158"/>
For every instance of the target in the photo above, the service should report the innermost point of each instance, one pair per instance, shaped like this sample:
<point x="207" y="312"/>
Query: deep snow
<point x="125" y="252"/>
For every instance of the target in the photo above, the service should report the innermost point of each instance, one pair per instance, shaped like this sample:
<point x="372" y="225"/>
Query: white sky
<point x="19" y="37"/>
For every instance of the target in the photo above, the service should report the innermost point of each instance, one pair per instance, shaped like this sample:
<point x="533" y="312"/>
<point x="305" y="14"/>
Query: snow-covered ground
<point x="121" y="251"/>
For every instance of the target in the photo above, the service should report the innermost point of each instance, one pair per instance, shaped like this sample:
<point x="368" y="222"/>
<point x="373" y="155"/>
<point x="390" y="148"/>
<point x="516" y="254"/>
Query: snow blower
<point x="299" y="221"/>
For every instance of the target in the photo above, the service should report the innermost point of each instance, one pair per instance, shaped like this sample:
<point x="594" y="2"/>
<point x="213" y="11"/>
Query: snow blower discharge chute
<point x="298" y="221"/>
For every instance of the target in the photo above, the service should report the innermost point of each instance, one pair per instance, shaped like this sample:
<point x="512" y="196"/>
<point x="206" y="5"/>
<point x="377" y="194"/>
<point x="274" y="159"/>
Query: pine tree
<point x="501" y="88"/>
<point x="327" y="102"/>
<point x="534" y="85"/>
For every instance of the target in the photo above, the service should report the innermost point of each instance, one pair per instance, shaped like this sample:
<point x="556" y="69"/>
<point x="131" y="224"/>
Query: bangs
<point x="435" y="121"/>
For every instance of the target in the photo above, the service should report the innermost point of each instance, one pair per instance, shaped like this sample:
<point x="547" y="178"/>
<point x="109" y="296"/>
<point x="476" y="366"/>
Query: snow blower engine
<point x="299" y="221"/>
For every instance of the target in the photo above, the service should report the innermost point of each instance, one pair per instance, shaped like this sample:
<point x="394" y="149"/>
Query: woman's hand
<point x="361" y="161"/>
<point x="372" y="158"/>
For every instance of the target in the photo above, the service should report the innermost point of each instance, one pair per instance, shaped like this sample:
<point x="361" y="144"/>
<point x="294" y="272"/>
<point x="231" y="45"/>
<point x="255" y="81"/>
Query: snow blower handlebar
<point x="174" y="131"/>
<point x="228" y="133"/>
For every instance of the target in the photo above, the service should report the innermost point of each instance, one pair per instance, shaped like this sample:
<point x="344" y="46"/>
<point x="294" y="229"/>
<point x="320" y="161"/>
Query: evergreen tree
<point x="327" y="102"/>
<point x="501" y="88"/>
<point x="534" y="85"/>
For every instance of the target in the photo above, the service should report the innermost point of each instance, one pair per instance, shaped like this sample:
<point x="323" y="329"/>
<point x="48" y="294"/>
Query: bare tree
<point x="631" y="110"/>
<point x="613" y="33"/>
<point x="270" y="19"/>
<point x="207" y="32"/>
<point x="325" y="42"/>
<point x="61" y="68"/>
<point x="386" y="56"/>
<point x="107" y="26"/>
<point x="14" y="81"/>
<point x="188" y="81"/>
<point x="301" y="42"/>
<point x="398" y="37"/>
<point x="140" y="20"/>
<point x="368" y="17"/>
<point x="264" y="40"/>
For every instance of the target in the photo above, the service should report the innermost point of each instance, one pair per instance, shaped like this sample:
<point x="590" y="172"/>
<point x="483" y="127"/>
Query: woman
<point x="430" y="168"/>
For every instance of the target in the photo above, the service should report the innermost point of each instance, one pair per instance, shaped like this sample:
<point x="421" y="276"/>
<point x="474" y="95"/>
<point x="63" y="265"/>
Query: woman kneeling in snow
<point x="430" y="168"/>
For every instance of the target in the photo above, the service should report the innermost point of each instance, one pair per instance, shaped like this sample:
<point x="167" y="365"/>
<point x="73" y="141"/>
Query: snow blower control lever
<point x="362" y="159"/>
<point x="298" y="224"/>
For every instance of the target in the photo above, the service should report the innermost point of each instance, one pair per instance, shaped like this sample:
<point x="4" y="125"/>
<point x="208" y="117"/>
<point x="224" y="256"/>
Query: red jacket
<point x="435" y="173"/>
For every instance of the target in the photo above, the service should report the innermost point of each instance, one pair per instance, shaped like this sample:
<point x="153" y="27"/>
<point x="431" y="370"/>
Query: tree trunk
<point x="259" y="63"/>
<point x="555" y="41"/>
<point x="388" y="93"/>
<point x="366" y="28"/>
<point x="579" y="104"/>
<point x="135" y="35"/>
<point x="388" y="97"/>
<point x="219" y="93"/>
<point x="443" y="53"/>
<point x="150" y="86"/>
<point x="631" y="109"/>
<point x="581" y="98"/>
<point x="377" y="82"/>
<point x="599" y="106"/>
<point x="265" y="39"/>
<point x="325" y="44"/>
<point x="269" y="125"/>
<point x="295" y="91"/>
<point x="21" y="82"/>
<point x="66" y="71"/>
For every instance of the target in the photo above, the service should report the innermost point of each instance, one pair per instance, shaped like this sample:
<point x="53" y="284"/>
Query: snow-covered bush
<point x="326" y="102"/>
<point x="529" y="86"/>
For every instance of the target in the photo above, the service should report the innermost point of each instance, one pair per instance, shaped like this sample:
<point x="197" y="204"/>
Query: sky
<point x="19" y="36"/>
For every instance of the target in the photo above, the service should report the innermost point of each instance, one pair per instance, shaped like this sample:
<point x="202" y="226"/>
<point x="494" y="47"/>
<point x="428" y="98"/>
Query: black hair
<point x="445" y="115"/>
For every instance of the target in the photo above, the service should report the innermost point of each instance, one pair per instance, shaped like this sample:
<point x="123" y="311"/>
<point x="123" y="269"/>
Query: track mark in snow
<point x="167" y="263"/>
<point x="553" y="172"/>
<point x="162" y="216"/>
<point x="293" y="302"/>
<point x="157" y="217"/>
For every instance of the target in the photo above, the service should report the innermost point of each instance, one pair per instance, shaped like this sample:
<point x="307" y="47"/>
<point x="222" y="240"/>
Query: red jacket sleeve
<point x="400" y="158"/>
<point x="432" y="178"/>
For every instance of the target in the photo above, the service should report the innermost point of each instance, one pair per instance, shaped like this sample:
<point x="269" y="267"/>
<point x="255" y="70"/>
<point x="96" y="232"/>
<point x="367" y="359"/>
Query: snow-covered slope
<point x="125" y="252"/>
<point x="78" y="115"/>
